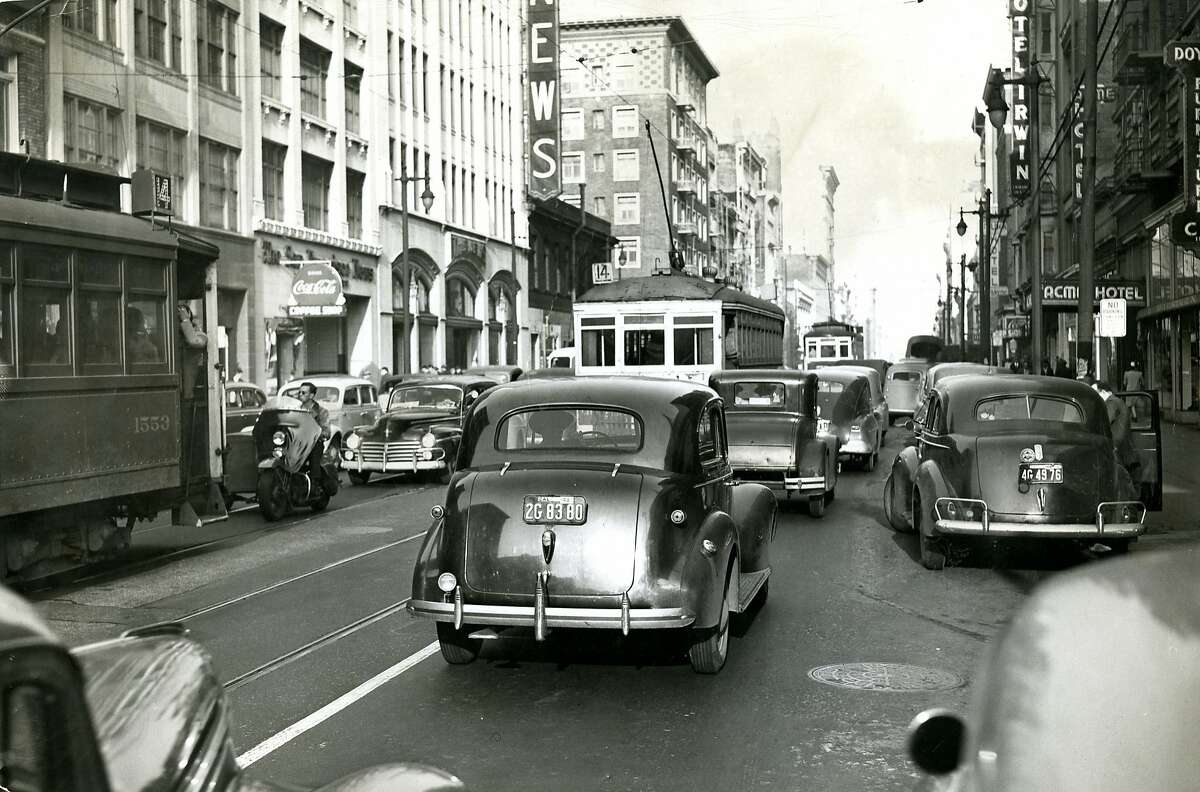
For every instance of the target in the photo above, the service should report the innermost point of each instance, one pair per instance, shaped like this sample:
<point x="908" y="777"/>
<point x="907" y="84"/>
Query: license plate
<point x="1041" y="473"/>
<point x="555" y="510"/>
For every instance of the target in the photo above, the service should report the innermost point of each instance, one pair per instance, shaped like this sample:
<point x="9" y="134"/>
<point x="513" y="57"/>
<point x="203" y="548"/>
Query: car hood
<point x="1089" y="475"/>
<point x="151" y="699"/>
<point x="761" y="439"/>
<point x="393" y="425"/>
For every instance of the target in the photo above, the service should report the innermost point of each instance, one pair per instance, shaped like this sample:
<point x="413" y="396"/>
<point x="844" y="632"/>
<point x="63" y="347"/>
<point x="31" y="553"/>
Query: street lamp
<point x="427" y="199"/>
<point x="997" y="109"/>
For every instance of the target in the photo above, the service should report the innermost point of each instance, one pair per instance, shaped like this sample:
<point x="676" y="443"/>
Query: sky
<point x="882" y="90"/>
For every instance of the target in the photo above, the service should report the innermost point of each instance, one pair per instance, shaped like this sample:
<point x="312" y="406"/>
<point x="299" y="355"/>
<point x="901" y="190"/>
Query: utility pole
<point x="1087" y="234"/>
<point x="949" y="297"/>
<point x="962" y="307"/>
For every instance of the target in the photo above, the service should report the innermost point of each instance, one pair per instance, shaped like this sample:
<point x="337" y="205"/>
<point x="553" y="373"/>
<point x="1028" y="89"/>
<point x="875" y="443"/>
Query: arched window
<point x="460" y="298"/>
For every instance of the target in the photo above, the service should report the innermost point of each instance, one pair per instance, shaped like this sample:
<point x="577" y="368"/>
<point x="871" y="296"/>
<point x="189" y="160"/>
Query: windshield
<point x="446" y="398"/>
<point x="567" y="429"/>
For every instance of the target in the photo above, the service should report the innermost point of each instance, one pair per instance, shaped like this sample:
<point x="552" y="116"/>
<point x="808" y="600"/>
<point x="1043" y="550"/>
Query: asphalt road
<point x="326" y="673"/>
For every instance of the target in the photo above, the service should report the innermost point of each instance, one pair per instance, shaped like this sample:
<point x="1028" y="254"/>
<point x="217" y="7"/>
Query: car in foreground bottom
<point x="603" y="503"/>
<point x="1094" y="686"/>
<point x="1001" y="457"/>
<point x="142" y="712"/>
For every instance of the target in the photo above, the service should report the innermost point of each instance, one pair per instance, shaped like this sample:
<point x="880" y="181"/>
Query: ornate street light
<point x="427" y="198"/>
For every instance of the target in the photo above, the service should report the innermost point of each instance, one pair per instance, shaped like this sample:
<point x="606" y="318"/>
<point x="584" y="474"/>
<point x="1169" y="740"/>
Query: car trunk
<point x="902" y="395"/>
<point x="1086" y="467"/>
<point x="758" y="440"/>
<point x="504" y="552"/>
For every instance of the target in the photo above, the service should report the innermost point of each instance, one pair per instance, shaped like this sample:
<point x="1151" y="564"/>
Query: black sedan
<point x="596" y="503"/>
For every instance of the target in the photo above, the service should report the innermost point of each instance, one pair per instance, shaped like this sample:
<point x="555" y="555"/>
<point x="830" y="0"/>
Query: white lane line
<point x="343" y="701"/>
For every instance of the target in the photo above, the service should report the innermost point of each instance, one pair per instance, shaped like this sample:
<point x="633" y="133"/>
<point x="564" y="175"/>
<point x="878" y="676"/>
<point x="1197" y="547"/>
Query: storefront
<point x="235" y="289"/>
<point x="1060" y="301"/>
<point x="1169" y="329"/>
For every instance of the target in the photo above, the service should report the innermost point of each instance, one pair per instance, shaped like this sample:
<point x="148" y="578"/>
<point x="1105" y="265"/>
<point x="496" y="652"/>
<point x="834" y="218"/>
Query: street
<point x="327" y="673"/>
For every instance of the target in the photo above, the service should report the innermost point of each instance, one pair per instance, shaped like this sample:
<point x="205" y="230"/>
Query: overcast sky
<point x="882" y="90"/>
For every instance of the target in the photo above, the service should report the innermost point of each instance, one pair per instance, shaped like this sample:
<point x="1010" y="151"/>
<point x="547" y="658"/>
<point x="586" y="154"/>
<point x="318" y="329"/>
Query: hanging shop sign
<point x="1058" y="291"/>
<point x="1021" y="161"/>
<point x="1185" y="225"/>
<point x="543" y="101"/>
<point x="316" y="291"/>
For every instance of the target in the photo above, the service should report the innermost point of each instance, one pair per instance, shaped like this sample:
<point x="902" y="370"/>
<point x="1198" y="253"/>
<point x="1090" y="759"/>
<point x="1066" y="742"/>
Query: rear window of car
<point x="327" y="395"/>
<point x="558" y="429"/>
<point x="753" y="395"/>
<point x="828" y="394"/>
<point x="1028" y="408"/>
<point x="906" y="376"/>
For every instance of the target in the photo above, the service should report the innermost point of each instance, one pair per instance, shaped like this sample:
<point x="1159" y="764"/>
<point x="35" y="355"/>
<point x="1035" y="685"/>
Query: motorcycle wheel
<point x="273" y="499"/>
<point x="320" y="504"/>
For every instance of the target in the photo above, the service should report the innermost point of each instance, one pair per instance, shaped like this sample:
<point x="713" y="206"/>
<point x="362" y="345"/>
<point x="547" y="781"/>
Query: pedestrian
<point x="1133" y="377"/>
<point x="1063" y="369"/>
<point x="239" y="375"/>
<point x="1121" y="427"/>
<point x="1046" y="370"/>
<point x="1012" y="366"/>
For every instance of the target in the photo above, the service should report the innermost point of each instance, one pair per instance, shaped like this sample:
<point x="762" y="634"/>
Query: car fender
<point x="812" y="458"/>
<point x="754" y="510"/>
<point x="427" y="568"/>
<point x="703" y="580"/>
<point x="931" y="484"/>
<point x="901" y="479"/>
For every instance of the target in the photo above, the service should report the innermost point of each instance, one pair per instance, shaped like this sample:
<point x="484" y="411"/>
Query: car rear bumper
<point x="985" y="526"/>
<point x="781" y="483"/>
<point x="524" y="616"/>
<point x="856" y="446"/>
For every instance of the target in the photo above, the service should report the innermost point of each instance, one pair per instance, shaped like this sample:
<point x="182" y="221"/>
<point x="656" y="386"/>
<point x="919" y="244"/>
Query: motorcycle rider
<point x="308" y="398"/>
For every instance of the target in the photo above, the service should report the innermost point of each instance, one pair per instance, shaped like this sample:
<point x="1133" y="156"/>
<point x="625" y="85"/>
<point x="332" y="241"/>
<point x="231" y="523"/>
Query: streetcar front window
<point x="645" y="340"/>
<point x="599" y="341"/>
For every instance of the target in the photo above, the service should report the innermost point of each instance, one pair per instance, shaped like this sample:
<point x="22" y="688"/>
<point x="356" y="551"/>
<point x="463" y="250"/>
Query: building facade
<point x="617" y="75"/>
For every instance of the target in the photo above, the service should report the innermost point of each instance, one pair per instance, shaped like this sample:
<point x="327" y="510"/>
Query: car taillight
<point x="279" y="438"/>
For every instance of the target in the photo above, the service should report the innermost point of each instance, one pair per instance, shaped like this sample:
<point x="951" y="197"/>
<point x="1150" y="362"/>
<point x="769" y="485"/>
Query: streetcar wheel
<point x="360" y="478"/>
<point x="708" y="654"/>
<point x="457" y="648"/>
<point x="272" y="496"/>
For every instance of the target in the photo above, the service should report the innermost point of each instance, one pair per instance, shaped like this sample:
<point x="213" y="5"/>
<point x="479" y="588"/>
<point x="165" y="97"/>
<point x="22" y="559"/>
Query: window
<point x="45" y="273"/>
<point x="625" y="166"/>
<point x="91" y="132"/>
<point x="350" y="12"/>
<point x="98" y="337"/>
<point x="150" y="31"/>
<point x="273" y="157"/>
<point x="599" y="341"/>
<point x="164" y="150"/>
<point x="270" y="49"/>
<point x="574" y="78"/>
<point x="598" y="163"/>
<point x="6" y="308"/>
<point x="460" y="299"/>
<point x="1028" y="408"/>
<point x="353" y="83"/>
<point x="598" y="81"/>
<point x="314" y="68"/>
<point x="625" y="122"/>
<point x="645" y="340"/>
<point x="315" y="174"/>
<point x="95" y="18"/>
<point x="146" y="322"/>
<point x="693" y="340"/>
<point x="598" y="120"/>
<point x="354" y="203"/>
<point x="9" y="129"/>
<point x="572" y="124"/>
<point x="218" y="185"/>
<point x="629" y="210"/>
<point x="216" y="45"/>
<point x="631" y="248"/>
<point x="351" y="396"/>
<point x="572" y="167"/>
<point x="600" y="206"/>
<point x="624" y="75"/>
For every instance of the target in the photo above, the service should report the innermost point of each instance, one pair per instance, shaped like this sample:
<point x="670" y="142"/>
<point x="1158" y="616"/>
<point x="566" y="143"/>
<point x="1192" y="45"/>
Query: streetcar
<point x="107" y="417"/>
<point x="674" y="325"/>
<point x="833" y="340"/>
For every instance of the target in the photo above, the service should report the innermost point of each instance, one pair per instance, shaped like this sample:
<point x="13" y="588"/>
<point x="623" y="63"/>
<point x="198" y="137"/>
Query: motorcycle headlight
<point x="279" y="438"/>
<point x="428" y="440"/>
<point x="353" y="441"/>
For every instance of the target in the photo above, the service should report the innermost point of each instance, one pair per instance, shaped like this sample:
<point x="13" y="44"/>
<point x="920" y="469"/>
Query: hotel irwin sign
<point x="543" y="101"/>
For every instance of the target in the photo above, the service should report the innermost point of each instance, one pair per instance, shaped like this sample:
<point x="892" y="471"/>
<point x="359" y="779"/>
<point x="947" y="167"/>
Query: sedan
<point x="243" y="403"/>
<point x="599" y="503"/>
<point x="846" y="415"/>
<point x="351" y="403"/>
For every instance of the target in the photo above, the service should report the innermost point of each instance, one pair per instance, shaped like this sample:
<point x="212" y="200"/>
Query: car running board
<point x="749" y="584"/>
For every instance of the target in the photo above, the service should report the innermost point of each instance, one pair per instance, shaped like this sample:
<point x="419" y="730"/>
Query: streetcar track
<point x="328" y="638"/>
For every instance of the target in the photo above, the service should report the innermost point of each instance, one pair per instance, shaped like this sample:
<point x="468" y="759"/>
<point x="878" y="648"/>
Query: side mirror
<point x="909" y="425"/>
<point x="935" y="741"/>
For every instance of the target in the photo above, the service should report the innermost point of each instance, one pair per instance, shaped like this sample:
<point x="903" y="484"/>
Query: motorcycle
<point x="286" y="438"/>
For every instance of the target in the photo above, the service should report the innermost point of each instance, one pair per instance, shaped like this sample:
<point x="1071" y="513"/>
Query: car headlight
<point x="279" y="438"/>
<point x="428" y="440"/>
<point x="353" y="441"/>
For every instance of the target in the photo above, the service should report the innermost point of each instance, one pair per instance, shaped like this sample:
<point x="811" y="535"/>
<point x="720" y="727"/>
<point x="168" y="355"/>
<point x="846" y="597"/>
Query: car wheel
<point x="870" y="461"/>
<point x="333" y="452"/>
<point x="892" y="510"/>
<point x="360" y="478"/>
<point x="816" y="506"/>
<point x="456" y="645"/>
<point x="272" y="496"/>
<point x="708" y="655"/>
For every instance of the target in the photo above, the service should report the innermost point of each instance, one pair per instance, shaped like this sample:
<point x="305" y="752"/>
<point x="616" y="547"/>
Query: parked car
<point x="598" y="503"/>
<point x="142" y="712"/>
<point x="563" y="357"/>
<point x="846" y="416"/>
<point x="1094" y="686"/>
<point x="1014" y="456"/>
<point x="351" y="402"/>
<point x="500" y="374"/>
<point x="243" y="403"/>
<point x="903" y="387"/>
<point x="419" y="433"/>
<point x="771" y="415"/>
<point x="879" y="402"/>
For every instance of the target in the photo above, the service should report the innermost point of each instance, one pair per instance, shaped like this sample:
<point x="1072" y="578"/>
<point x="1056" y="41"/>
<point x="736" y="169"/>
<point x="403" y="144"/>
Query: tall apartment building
<point x="283" y="124"/>
<point x="617" y="74"/>
<point x="741" y="177"/>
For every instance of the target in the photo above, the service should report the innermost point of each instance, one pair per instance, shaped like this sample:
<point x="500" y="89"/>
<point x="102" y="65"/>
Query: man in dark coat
<point x="1121" y="426"/>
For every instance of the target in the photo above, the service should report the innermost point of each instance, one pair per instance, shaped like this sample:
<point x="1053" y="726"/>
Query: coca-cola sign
<point x="317" y="291"/>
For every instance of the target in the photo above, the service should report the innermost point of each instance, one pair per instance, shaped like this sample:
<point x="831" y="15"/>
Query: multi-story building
<point x="741" y="176"/>
<point x="283" y="126"/>
<point x="617" y="75"/>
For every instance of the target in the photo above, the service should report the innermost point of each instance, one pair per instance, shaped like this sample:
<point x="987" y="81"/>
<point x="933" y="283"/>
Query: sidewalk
<point x="1179" y="521"/>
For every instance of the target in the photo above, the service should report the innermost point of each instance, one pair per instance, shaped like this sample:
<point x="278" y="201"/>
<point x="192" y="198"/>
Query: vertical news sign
<point x="541" y="65"/>
<point x="1185" y="225"/>
<point x="1020" y="162"/>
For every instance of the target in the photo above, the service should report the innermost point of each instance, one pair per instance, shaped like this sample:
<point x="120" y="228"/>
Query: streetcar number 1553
<point x="151" y="423"/>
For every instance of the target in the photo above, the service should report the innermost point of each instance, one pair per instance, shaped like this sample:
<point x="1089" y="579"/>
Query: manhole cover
<point x="893" y="677"/>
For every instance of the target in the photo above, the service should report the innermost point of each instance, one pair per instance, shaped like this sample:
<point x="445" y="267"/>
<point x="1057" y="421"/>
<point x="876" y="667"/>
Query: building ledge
<point x="328" y="127"/>
<point x="352" y="32"/>
<point x="304" y="234"/>
<point x="270" y="105"/>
